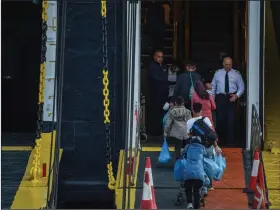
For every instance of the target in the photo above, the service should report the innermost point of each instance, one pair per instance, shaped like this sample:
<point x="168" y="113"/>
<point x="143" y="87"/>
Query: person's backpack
<point x="201" y="129"/>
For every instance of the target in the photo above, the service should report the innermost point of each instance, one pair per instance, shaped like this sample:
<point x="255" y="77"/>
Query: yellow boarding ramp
<point x="271" y="156"/>
<point x="32" y="191"/>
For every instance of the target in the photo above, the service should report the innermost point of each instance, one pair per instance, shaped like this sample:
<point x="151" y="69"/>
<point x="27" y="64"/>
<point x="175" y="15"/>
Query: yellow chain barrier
<point x="35" y="171"/>
<point x="103" y="8"/>
<point x="106" y="101"/>
<point x="43" y="65"/>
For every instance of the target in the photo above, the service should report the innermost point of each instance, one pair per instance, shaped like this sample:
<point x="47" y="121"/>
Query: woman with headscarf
<point x="203" y="97"/>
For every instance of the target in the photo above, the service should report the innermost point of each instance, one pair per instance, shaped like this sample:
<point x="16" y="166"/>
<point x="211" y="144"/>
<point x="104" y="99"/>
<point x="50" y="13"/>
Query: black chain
<point x="104" y="43"/>
<point x="43" y="59"/>
<point x="105" y="67"/>
<point x="44" y="41"/>
<point x="108" y="142"/>
<point x="39" y="120"/>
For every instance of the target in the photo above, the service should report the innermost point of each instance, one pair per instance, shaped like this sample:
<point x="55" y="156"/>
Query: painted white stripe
<point x="147" y="192"/>
<point x="255" y="168"/>
<point x="260" y="200"/>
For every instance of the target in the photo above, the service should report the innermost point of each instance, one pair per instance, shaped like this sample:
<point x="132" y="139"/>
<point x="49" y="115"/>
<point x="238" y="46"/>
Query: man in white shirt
<point x="227" y="86"/>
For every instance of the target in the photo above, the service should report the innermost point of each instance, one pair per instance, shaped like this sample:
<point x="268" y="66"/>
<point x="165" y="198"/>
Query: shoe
<point x="189" y="206"/>
<point x="203" y="192"/>
<point x="210" y="188"/>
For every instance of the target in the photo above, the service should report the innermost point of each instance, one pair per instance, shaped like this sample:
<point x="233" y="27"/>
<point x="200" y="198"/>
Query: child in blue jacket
<point x="194" y="174"/>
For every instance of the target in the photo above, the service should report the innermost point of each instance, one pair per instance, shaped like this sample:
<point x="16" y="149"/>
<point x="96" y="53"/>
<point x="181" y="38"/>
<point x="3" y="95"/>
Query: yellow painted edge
<point x="34" y="196"/>
<point x="120" y="180"/>
<point x="133" y="189"/>
<point x="273" y="194"/>
<point x="118" y="191"/>
<point x="16" y="148"/>
<point x="156" y="149"/>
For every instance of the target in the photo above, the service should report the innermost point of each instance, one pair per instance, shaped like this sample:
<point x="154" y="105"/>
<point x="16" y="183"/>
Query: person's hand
<point x="165" y="134"/>
<point x="218" y="150"/>
<point x="233" y="97"/>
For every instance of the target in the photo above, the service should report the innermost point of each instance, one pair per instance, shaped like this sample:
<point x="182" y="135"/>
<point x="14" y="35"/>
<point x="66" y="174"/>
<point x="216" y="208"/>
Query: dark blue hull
<point x="82" y="172"/>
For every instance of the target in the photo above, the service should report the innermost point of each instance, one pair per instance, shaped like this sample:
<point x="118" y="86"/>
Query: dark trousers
<point x="192" y="187"/>
<point x="179" y="144"/>
<point x="225" y="119"/>
<point x="156" y="100"/>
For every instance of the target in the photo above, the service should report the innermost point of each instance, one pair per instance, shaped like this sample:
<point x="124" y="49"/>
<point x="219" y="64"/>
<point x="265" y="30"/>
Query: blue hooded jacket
<point x="194" y="154"/>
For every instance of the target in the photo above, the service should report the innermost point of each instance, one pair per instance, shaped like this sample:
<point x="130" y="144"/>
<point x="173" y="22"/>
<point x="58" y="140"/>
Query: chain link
<point x="42" y="69"/>
<point x="106" y="101"/>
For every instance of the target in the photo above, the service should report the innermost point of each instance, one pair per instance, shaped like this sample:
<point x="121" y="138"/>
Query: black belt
<point x="225" y="94"/>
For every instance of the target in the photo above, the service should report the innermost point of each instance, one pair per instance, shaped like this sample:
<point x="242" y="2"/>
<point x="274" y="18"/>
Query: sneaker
<point x="189" y="206"/>
<point x="203" y="192"/>
<point x="210" y="188"/>
<point x="204" y="195"/>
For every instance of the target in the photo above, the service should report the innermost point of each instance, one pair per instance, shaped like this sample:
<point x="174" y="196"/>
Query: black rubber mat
<point x="18" y="139"/>
<point x="166" y="188"/>
<point x="165" y="199"/>
<point x="162" y="173"/>
<point x="12" y="170"/>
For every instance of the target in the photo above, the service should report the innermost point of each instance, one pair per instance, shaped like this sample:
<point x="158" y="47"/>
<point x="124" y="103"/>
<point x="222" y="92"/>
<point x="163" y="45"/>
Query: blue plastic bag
<point x="164" y="119"/>
<point x="212" y="170"/>
<point x="179" y="170"/>
<point x="164" y="155"/>
<point x="210" y="152"/>
<point x="206" y="182"/>
<point x="221" y="162"/>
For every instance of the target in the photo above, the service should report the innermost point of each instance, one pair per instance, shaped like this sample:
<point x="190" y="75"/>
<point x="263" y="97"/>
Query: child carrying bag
<point x="207" y="135"/>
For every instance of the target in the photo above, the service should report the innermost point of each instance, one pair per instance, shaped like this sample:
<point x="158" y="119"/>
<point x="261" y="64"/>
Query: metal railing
<point x="132" y="83"/>
<point x="257" y="143"/>
<point x="256" y="131"/>
<point x="175" y="39"/>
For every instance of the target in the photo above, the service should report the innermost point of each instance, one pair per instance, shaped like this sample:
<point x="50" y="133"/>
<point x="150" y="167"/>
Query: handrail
<point x="256" y="131"/>
<point x="58" y="93"/>
<point x="54" y="156"/>
<point x="257" y="143"/>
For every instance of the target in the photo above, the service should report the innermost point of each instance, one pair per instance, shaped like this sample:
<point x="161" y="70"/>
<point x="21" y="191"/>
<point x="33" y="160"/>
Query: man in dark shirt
<point x="184" y="83"/>
<point x="158" y="94"/>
